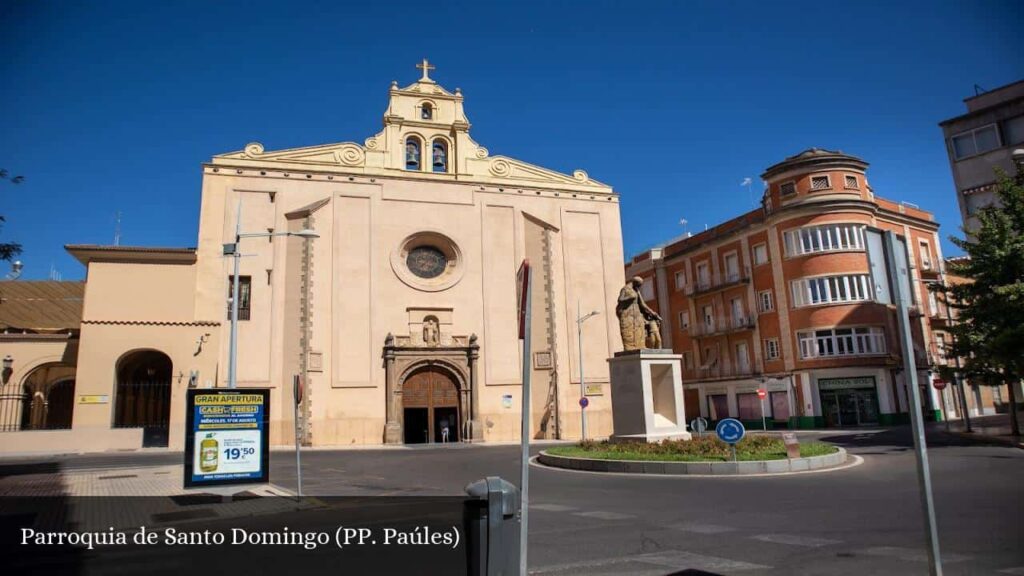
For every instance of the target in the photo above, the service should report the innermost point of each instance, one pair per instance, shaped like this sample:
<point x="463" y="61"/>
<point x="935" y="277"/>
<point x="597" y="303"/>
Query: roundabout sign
<point x="730" y="430"/>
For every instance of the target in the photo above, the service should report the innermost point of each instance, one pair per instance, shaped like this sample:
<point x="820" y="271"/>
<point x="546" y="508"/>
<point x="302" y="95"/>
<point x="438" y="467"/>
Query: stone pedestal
<point x="647" y="396"/>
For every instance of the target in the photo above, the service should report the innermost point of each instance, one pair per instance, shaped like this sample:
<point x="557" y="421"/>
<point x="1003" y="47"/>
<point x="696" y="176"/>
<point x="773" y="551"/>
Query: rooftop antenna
<point x="978" y="90"/>
<point x="54" y="274"/>
<point x="16" y="269"/>
<point x="117" y="228"/>
<point x="683" y="222"/>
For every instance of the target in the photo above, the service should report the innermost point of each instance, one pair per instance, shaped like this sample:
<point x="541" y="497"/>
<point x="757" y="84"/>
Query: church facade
<point x="400" y="317"/>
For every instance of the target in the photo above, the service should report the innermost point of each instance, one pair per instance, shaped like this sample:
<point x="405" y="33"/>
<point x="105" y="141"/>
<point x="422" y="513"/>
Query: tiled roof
<point x="41" y="306"/>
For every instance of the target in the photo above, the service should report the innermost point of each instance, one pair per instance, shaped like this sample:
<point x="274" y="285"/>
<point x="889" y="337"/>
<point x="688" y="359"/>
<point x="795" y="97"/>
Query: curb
<point x="694" y="468"/>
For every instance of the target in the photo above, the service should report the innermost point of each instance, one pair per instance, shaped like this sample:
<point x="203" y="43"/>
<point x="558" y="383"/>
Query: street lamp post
<point x="583" y="391"/>
<point x="232" y="250"/>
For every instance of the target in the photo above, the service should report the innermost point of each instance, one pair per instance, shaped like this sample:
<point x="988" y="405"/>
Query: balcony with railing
<point x="718" y="282"/>
<point x="722" y="326"/>
<point x="716" y="371"/>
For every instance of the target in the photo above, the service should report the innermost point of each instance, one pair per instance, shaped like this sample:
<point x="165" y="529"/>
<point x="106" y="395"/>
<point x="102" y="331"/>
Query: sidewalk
<point x="985" y="430"/>
<point x="151" y="496"/>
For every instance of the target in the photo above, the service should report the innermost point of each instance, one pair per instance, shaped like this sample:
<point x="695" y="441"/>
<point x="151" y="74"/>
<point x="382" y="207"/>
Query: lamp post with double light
<point x="583" y="390"/>
<point x="232" y="250"/>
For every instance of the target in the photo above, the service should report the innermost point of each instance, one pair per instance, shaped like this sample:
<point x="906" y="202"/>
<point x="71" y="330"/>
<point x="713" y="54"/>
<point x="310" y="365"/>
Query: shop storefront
<point x="849" y="401"/>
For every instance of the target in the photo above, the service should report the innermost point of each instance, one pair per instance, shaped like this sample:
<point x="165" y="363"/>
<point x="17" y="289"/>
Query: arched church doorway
<point x="430" y="405"/>
<point x="143" y="398"/>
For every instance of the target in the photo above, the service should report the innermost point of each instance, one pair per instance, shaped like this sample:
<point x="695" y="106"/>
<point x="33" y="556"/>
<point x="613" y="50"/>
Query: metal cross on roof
<point x="426" y="67"/>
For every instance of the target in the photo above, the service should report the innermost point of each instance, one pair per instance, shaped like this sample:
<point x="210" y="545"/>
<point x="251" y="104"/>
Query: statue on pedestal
<point x="640" y="326"/>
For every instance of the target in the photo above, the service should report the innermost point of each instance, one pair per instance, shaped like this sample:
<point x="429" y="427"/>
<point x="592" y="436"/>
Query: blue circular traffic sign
<point x="730" y="430"/>
<point x="699" y="424"/>
<point x="584" y="402"/>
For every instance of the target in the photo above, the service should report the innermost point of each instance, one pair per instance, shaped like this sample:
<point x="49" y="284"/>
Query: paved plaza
<point x="863" y="519"/>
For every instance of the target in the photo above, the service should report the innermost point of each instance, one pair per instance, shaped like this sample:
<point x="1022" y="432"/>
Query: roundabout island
<point x="707" y="455"/>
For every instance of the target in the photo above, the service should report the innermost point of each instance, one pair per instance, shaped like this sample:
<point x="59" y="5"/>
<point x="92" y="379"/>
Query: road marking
<point x="676" y="560"/>
<point x="601" y="515"/>
<point x="795" y="540"/>
<point x="911" y="554"/>
<point x="1019" y="571"/>
<point x="551" y="507"/>
<point x="680" y="560"/>
<point x="700" y="528"/>
<point x="581" y="565"/>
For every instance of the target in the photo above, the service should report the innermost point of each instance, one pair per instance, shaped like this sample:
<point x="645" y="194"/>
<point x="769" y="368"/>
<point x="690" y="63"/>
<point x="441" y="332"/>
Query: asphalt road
<point x="860" y="520"/>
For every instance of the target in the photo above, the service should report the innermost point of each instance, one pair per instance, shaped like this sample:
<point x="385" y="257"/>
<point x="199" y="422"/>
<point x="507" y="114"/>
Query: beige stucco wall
<point x="358" y="298"/>
<point x="104" y="345"/>
<point x="136" y="306"/>
<point x="30" y="353"/>
<point x="139" y="292"/>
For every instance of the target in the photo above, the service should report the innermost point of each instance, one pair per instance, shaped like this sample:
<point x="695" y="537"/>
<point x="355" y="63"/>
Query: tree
<point x="8" y="250"/>
<point x="990" y="331"/>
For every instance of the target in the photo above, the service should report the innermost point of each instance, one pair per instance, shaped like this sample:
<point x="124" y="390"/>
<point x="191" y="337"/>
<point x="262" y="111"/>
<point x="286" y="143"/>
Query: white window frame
<point x="709" y="319"/>
<point x="704" y="280"/>
<point x="846" y="182"/>
<point x="933" y="303"/>
<point x="725" y="264"/>
<point x="765" y="301"/>
<point x="831" y="289"/>
<point x="771" y="349"/>
<point x="828" y="183"/>
<point x="647" y="288"/>
<point x="831" y="237"/>
<point x="737" y="319"/>
<point x="974" y="138"/>
<point x="742" y="361"/>
<point x="783" y="194"/>
<point x="1004" y="131"/>
<point x="753" y="253"/>
<point x="924" y="248"/>
<point x="853" y="341"/>
<point x="684" y="320"/>
<point x="680" y="275"/>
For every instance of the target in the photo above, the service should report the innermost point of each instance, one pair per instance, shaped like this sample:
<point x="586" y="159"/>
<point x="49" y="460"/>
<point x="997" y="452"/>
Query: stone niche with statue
<point x="646" y="379"/>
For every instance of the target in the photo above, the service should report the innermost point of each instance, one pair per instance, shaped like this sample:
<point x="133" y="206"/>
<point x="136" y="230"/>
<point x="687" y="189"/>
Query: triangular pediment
<point x="341" y="154"/>
<point x="511" y="169"/>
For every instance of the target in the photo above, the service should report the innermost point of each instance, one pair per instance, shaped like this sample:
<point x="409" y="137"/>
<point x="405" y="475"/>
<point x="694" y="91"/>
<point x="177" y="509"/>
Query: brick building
<point x="781" y="298"/>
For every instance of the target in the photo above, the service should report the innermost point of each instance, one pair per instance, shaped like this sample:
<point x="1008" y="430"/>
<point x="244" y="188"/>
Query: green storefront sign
<point x="846" y="383"/>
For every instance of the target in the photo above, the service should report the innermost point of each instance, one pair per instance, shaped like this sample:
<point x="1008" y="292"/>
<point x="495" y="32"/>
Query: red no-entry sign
<point x="762" y="393"/>
<point x="939" y="384"/>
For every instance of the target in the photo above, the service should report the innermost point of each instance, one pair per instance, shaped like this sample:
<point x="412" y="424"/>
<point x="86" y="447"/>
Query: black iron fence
<point x="11" y="407"/>
<point x="147" y="405"/>
<point x="20" y="411"/>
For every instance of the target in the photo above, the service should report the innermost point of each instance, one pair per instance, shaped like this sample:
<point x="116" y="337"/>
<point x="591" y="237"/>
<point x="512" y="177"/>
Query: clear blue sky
<point x="111" y="107"/>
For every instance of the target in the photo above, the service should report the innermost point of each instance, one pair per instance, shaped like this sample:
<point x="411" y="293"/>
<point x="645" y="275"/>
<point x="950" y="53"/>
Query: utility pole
<point x="898" y="270"/>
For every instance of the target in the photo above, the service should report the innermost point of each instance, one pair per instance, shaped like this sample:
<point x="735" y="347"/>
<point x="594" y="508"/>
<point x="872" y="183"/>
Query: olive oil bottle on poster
<point x="226" y="438"/>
